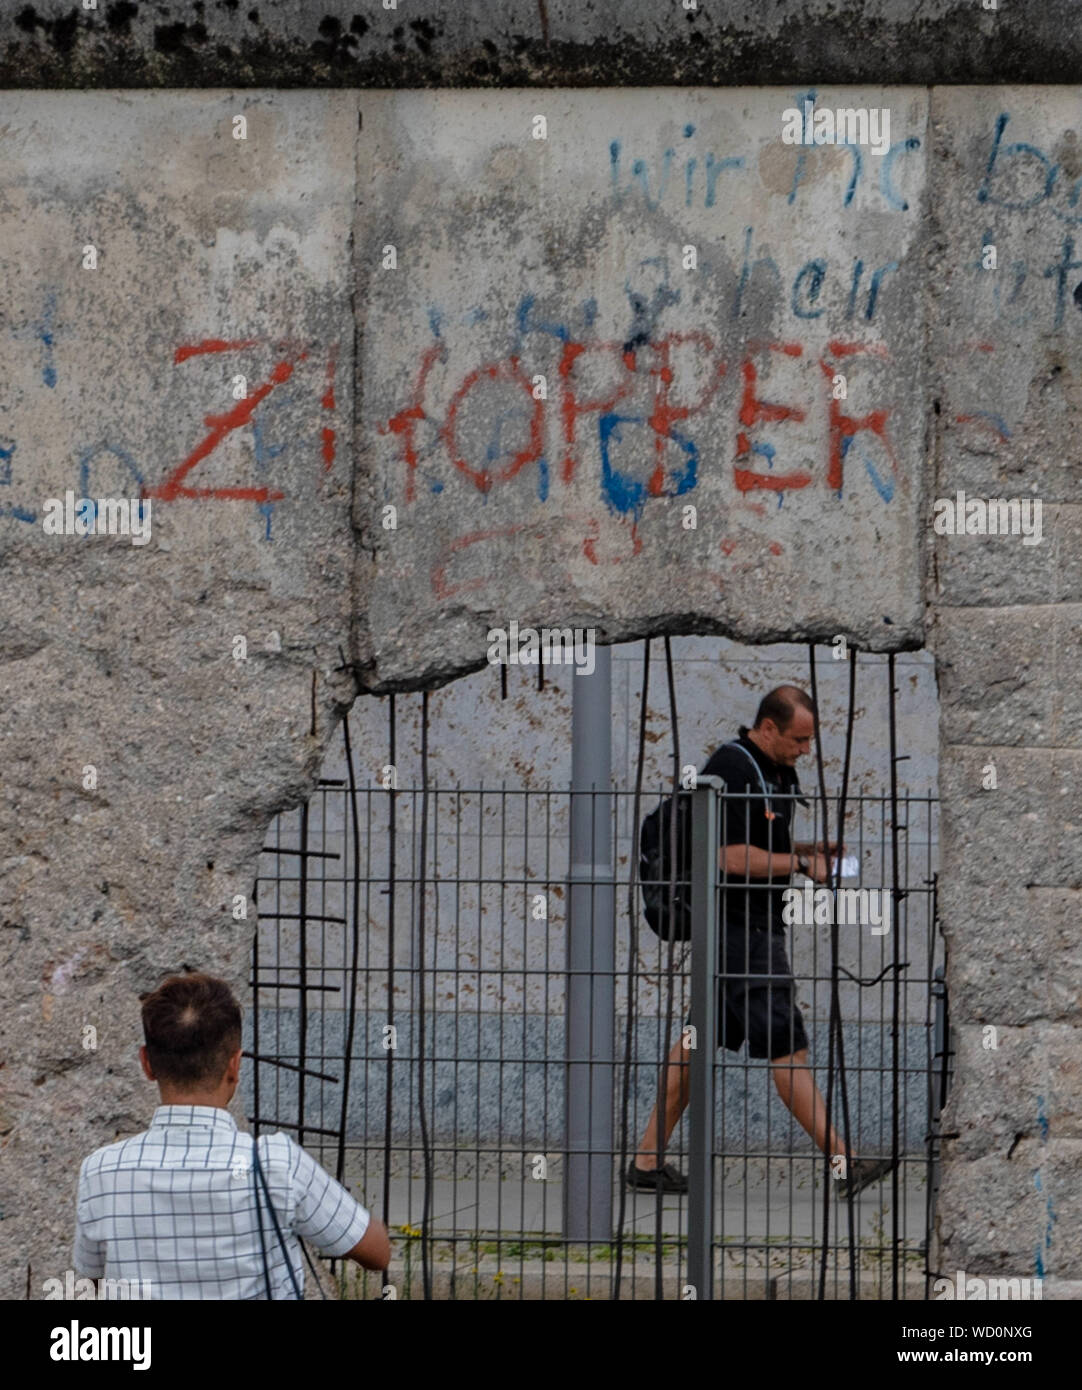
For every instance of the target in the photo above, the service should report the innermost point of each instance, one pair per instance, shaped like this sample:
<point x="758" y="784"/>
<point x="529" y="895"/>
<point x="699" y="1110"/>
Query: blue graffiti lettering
<point x="894" y="199"/>
<point x="623" y="493"/>
<point x="1020" y="147"/>
<point x="87" y="457"/>
<point x="816" y="273"/>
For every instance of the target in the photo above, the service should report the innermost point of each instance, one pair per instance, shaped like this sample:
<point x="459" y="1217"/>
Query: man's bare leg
<point x="792" y="1077"/>
<point x="672" y="1101"/>
<point x="796" y="1086"/>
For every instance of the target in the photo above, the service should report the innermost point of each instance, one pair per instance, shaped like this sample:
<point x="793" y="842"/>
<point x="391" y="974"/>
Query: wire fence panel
<point x="412" y="984"/>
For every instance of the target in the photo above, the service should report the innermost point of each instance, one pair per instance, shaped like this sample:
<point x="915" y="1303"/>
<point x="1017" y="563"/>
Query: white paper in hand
<point x="850" y="866"/>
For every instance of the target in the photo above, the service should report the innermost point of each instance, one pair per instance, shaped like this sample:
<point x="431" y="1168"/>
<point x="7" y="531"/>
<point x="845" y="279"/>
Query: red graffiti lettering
<point x="754" y="411"/>
<point x="481" y="478"/>
<point x="589" y="545"/>
<point x="658" y="384"/>
<point x="844" y="426"/>
<point x="220" y="426"/>
<point x="327" y="403"/>
<point x="665" y="415"/>
<point x="187" y="350"/>
<point x="571" y="408"/>
<point x="440" y="587"/>
<point x="405" y="422"/>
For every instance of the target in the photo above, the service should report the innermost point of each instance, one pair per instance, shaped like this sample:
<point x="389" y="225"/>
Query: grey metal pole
<point x="704" y="937"/>
<point x="591" y="961"/>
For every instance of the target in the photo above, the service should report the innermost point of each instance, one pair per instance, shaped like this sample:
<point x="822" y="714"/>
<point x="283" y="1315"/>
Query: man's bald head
<point x="785" y="724"/>
<point x="781" y="704"/>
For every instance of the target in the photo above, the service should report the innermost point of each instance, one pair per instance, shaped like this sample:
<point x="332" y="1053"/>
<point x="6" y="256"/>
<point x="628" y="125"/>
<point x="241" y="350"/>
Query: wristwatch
<point x="802" y="864"/>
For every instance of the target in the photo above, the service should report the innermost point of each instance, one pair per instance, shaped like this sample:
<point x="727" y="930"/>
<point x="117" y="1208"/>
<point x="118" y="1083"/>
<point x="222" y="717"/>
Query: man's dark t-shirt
<point x="745" y="822"/>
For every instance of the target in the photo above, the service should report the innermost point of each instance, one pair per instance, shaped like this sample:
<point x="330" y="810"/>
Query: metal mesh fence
<point x="469" y="1031"/>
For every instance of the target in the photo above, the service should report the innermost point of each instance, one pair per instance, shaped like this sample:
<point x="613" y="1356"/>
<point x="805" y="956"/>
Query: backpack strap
<point x="758" y="770"/>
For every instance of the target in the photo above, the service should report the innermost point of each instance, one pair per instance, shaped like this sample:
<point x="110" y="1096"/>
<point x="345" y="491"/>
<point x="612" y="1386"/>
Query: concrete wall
<point x="637" y="311"/>
<point x="119" y="657"/>
<point x="1005" y="634"/>
<point x="478" y="43"/>
<point x="263" y="257"/>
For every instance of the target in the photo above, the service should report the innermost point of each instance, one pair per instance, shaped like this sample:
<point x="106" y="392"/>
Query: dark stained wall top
<point x="573" y="43"/>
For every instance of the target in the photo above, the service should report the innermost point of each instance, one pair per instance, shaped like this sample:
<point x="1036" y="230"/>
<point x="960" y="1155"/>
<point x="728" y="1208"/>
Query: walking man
<point x="756" y="996"/>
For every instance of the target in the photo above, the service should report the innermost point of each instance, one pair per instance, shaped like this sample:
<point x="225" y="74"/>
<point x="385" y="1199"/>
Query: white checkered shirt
<point x="175" y="1205"/>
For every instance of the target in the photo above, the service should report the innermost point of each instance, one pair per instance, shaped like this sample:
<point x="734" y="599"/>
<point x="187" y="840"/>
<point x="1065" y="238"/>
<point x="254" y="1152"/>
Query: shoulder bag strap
<point x="758" y="770"/>
<point x="261" y="1179"/>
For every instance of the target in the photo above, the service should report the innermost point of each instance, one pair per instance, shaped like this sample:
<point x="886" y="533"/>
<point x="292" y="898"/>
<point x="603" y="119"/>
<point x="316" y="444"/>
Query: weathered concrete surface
<point x="121" y="656"/>
<point x="477" y="43"/>
<point x="646" y="308"/>
<point x="1005" y="634"/>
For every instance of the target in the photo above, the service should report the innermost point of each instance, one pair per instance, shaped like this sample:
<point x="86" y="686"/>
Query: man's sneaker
<point x="664" y="1179"/>
<point x="862" y="1173"/>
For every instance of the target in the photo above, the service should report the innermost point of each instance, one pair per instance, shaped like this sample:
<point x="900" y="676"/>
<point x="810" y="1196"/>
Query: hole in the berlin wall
<point x="27" y="20"/>
<point x="358" y="25"/>
<point x="1078" y="294"/>
<point x="330" y="27"/>
<point x="253" y="16"/>
<point x="487" y="984"/>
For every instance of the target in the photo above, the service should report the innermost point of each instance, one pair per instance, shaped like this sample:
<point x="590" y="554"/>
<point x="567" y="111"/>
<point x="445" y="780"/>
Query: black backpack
<point x="672" y="922"/>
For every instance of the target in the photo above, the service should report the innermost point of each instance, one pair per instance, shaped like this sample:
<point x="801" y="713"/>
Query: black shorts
<point x="757" y="995"/>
